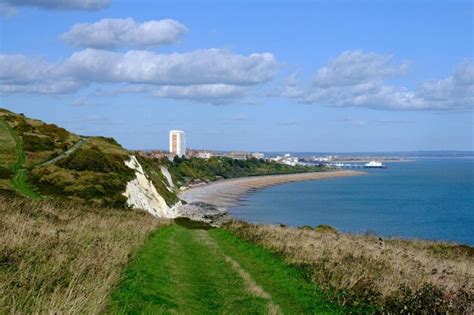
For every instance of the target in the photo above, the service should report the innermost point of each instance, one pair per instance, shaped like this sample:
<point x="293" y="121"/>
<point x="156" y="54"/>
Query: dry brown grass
<point x="387" y="273"/>
<point x="61" y="257"/>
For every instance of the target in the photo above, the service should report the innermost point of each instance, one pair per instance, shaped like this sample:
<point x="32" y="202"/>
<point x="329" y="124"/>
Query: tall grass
<point x="397" y="276"/>
<point x="63" y="257"/>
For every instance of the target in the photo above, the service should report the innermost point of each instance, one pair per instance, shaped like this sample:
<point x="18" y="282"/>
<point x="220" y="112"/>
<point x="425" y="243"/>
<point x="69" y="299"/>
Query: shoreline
<point x="211" y="202"/>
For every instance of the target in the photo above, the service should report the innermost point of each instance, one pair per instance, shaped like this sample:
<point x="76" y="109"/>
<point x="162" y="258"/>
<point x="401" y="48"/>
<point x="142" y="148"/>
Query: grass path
<point x="196" y="271"/>
<point x="19" y="179"/>
<point x="8" y="154"/>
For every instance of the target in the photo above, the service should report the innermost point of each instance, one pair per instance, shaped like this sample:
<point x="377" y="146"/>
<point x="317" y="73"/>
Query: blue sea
<point x="425" y="199"/>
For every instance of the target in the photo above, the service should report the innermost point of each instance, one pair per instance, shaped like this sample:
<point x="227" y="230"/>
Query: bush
<point x="99" y="188"/>
<point x="34" y="143"/>
<point x="93" y="159"/>
<point x="427" y="300"/>
<point x="324" y="228"/>
<point x="54" y="131"/>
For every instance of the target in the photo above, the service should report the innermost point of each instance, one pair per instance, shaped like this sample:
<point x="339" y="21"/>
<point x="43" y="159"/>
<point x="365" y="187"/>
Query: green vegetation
<point x="365" y="272"/>
<point x="324" y="228"/>
<point x="185" y="171"/>
<point x="196" y="270"/>
<point x="95" y="172"/>
<point x="152" y="169"/>
<point x="8" y="156"/>
<point x="15" y="171"/>
<point x="60" y="257"/>
<point x="39" y="141"/>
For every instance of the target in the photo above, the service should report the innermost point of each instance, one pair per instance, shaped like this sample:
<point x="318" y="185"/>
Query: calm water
<point x="427" y="199"/>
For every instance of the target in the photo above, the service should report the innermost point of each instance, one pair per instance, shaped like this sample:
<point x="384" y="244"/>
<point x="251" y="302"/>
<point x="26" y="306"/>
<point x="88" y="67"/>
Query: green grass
<point x="288" y="287"/>
<point x="19" y="178"/>
<point x="187" y="271"/>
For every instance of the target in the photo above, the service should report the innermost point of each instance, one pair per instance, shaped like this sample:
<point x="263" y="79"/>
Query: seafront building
<point x="177" y="143"/>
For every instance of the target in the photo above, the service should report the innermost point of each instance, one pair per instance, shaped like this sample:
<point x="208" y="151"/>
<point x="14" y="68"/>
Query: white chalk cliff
<point x="167" y="175"/>
<point x="142" y="194"/>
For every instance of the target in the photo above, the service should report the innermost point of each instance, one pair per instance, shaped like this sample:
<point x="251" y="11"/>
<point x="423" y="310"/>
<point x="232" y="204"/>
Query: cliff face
<point x="141" y="193"/>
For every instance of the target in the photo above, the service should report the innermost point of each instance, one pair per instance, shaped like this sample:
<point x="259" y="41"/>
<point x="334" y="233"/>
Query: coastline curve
<point x="226" y="193"/>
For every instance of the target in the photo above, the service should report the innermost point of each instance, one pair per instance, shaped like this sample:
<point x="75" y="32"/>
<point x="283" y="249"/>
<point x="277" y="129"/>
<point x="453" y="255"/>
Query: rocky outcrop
<point x="142" y="194"/>
<point x="206" y="212"/>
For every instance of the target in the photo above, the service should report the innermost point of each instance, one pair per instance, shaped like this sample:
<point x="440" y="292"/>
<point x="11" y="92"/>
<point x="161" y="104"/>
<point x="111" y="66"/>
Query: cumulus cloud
<point x="210" y="75"/>
<point x="21" y="74"/>
<point x="357" y="79"/>
<point x="206" y="93"/>
<point x="210" y="66"/>
<point x="112" y="33"/>
<point x="357" y="67"/>
<point x="8" y="7"/>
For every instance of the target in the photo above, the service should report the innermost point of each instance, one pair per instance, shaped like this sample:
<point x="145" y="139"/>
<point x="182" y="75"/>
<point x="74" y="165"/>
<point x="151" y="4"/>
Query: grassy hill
<point x="39" y="159"/>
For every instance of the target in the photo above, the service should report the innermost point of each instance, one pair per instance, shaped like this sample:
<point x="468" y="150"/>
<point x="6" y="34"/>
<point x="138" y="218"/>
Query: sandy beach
<point x="226" y="193"/>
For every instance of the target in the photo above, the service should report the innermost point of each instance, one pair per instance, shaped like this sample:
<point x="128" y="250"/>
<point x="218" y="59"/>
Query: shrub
<point x="323" y="228"/>
<point x="93" y="159"/>
<point x="427" y="300"/>
<point x="99" y="188"/>
<point x="34" y="143"/>
<point x="54" y="131"/>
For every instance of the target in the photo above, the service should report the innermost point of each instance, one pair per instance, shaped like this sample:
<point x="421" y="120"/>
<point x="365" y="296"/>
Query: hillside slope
<point x="39" y="159"/>
<point x="61" y="257"/>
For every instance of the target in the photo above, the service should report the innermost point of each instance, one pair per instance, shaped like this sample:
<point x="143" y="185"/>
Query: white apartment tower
<point x="177" y="143"/>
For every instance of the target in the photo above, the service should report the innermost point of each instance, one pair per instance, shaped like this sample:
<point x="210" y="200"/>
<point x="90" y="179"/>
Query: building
<point x="287" y="159"/>
<point x="258" y="155"/>
<point x="177" y="143"/>
<point x="238" y="155"/>
<point x="201" y="154"/>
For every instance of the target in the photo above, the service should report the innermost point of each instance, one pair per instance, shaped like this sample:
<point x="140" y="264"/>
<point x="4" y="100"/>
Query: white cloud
<point x="206" y="93"/>
<point x="21" y="74"/>
<point x="112" y="33"/>
<point x="357" y="79"/>
<point x="211" y="75"/>
<point x="8" y="7"/>
<point x="364" y="122"/>
<point x="210" y="66"/>
<point x="357" y="67"/>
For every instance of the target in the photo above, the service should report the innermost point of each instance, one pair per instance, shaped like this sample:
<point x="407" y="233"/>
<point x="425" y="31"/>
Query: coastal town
<point x="178" y="148"/>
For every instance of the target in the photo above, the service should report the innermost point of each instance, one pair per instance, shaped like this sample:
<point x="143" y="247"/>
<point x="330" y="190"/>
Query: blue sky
<point x="247" y="75"/>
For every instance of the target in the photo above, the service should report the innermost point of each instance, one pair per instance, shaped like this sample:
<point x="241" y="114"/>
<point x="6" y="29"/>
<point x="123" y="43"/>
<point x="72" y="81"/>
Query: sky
<point x="320" y="76"/>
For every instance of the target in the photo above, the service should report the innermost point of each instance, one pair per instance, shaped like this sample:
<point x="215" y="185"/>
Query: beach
<point x="211" y="201"/>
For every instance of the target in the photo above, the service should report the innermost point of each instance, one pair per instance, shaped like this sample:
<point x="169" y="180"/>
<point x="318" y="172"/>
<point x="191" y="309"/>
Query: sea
<point x="429" y="198"/>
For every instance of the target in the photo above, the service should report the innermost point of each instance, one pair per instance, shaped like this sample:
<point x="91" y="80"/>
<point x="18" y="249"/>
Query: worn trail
<point x="183" y="270"/>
